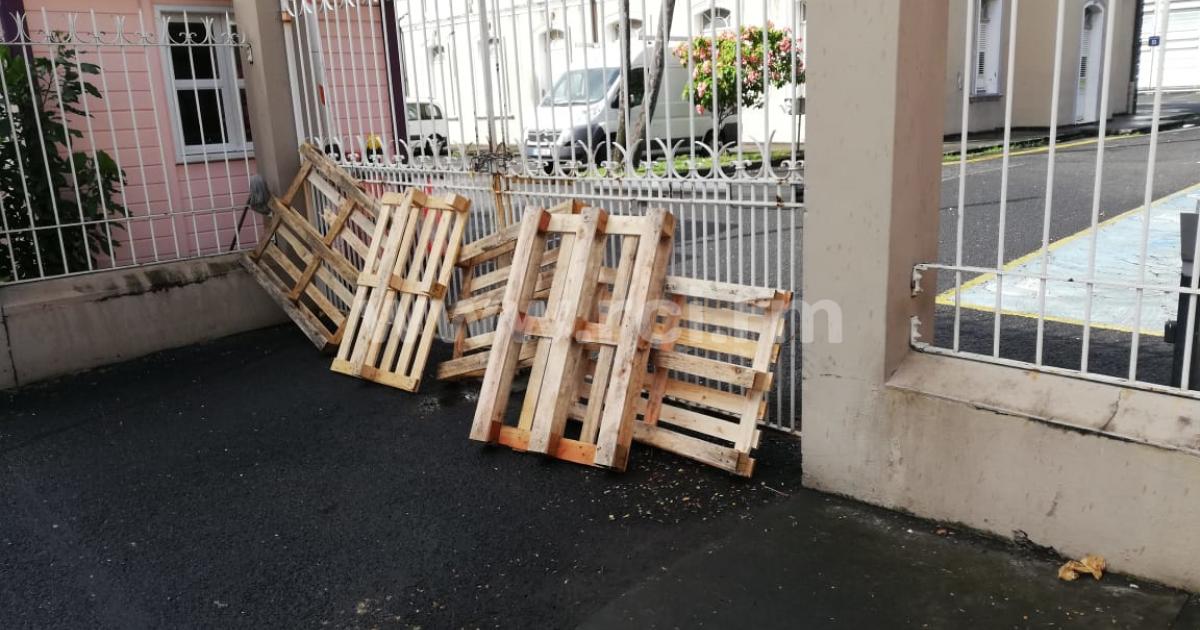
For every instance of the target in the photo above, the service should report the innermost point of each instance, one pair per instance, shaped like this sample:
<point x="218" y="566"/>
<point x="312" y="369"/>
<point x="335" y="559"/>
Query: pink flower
<point x="753" y="76"/>
<point x="701" y="89"/>
<point x="700" y="109"/>
<point x="786" y="45"/>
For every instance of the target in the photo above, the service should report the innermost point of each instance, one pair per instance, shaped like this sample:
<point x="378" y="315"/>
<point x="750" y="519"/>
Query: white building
<point x="1181" y="58"/>
<point x="528" y="45"/>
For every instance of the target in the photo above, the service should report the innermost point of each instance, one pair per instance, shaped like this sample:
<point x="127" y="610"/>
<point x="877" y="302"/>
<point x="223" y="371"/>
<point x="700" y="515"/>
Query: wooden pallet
<point x="308" y="274"/>
<point x="559" y="389"/>
<point x="402" y="288"/>
<point x="713" y="365"/>
<point x="486" y="264"/>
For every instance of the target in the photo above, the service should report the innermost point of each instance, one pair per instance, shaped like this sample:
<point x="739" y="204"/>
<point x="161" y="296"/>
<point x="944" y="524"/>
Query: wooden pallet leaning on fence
<point x="559" y="389"/>
<point x="401" y="290"/>
<point x="311" y="275"/>
<point x="713" y="365"/>
<point x="486" y="264"/>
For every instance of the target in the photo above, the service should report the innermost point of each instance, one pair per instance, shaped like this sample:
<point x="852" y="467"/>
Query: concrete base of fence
<point x="64" y="325"/>
<point x="1019" y="454"/>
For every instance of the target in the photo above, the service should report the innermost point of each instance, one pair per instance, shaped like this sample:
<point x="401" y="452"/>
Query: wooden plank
<point x="339" y="178"/>
<point x="629" y="359"/>
<point x="502" y="360"/>
<point x="564" y="355"/>
<point x="715" y="455"/>
<point x="557" y="285"/>
<point x="474" y="365"/>
<point x="620" y="281"/>
<point x="316" y="334"/>
<point x="709" y="368"/>
<point x="715" y="342"/>
<point x="720" y="291"/>
<point x="658" y="381"/>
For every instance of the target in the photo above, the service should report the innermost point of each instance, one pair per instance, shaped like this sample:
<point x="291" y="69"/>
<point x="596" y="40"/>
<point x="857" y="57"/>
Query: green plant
<point x="715" y="67"/>
<point x="43" y="183"/>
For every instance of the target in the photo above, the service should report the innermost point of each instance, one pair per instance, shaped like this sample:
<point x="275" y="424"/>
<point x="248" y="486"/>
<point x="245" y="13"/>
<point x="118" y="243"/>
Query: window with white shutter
<point x="988" y="44"/>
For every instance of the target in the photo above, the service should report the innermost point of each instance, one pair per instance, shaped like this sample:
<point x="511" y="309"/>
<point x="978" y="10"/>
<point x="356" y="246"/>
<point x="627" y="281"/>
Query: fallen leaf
<point x="1091" y="564"/>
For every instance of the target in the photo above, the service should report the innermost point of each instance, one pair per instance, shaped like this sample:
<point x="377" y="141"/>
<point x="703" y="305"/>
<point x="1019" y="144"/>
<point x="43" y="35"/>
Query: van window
<point x="580" y="86"/>
<point x="426" y="111"/>
<point x="637" y="86"/>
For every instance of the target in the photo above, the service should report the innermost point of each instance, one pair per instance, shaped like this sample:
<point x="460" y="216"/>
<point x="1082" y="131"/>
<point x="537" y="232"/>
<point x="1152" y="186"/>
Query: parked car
<point x="428" y="131"/>
<point x="582" y="111"/>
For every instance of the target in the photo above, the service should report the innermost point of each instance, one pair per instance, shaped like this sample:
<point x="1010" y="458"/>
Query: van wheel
<point x="600" y="150"/>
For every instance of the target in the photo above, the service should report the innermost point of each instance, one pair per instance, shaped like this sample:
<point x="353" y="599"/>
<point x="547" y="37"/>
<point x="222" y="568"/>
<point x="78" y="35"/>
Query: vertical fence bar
<point x="1098" y="187"/>
<point x="1163" y="15"/>
<point x="968" y="54"/>
<point x="1051" y="155"/>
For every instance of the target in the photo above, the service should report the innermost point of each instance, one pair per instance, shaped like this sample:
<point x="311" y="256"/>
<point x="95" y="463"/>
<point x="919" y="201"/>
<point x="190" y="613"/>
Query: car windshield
<point x="581" y="86"/>
<point x="427" y="111"/>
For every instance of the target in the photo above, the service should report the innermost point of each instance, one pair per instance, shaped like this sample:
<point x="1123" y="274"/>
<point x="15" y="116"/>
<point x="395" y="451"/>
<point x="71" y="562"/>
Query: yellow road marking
<point x="946" y="298"/>
<point x="1046" y="149"/>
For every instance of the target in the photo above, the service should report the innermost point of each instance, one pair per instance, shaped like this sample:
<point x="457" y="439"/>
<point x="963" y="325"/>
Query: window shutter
<point x="983" y="46"/>
<point x="1086" y="45"/>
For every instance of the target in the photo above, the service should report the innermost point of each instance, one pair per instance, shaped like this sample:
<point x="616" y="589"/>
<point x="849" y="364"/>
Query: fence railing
<point x="1100" y="287"/>
<point x="520" y="105"/>
<point x="124" y="140"/>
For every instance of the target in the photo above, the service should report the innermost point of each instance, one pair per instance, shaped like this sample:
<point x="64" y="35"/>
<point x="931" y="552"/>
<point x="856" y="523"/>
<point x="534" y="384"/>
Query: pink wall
<point x="356" y="94"/>
<point x="175" y="210"/>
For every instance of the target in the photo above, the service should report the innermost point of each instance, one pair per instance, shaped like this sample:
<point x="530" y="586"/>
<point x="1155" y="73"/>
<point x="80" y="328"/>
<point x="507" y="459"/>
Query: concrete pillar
<point x="873" y="174"/>
<point x="268" y="91"/>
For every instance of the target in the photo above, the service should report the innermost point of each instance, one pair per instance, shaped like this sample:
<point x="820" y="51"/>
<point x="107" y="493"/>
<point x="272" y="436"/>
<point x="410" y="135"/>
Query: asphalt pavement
<point x="1122" y="189"/>
<point x="241" y="484"/>
<point x="1072" y="205"/>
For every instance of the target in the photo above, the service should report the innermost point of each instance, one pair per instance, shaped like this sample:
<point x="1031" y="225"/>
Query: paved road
<point x="1178" y="167"/>
<point x="1125" y="160"/>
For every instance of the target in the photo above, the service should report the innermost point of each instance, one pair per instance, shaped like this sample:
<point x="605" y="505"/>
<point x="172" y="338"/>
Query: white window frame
<point x="228" y="85"/>
<point x="991" y="26"/>
<point x="715" y="18"/>
<point x="614" y="29"/>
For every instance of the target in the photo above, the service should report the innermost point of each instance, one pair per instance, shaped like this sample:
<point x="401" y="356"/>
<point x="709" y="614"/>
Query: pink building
<point x="171" y="113"/>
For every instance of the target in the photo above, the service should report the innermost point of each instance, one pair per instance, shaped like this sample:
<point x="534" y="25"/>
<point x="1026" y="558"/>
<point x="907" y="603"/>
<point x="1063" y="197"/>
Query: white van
<point x="583" y="110"/>
<point x="428" y="130"/>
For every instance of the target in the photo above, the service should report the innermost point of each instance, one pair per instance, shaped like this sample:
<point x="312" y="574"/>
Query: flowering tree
<point x="766" y="60"/>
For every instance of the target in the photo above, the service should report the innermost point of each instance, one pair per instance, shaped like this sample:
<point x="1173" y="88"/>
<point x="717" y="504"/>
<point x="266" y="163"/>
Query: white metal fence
<point x="124" y="140"/>
<point x="519" y="105"/>
<point x="1097" y="293"/>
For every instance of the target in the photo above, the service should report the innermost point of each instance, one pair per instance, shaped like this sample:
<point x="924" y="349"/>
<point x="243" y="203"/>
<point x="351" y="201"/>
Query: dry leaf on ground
<point x="1092" y="564"/>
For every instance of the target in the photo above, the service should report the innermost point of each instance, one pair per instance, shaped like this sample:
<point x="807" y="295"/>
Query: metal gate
<point x="525" y="104"/>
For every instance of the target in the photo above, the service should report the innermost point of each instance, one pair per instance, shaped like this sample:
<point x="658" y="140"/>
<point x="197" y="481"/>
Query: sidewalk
<point x="1178" y="110"/>
<point x="242" y="484"/>
<point x="815" y="561"/>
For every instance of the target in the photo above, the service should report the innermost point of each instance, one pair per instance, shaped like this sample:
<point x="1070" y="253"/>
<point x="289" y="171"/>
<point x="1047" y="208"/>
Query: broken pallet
<point x="559" y="390"/>
<point x="309" y="274"/>
<point x="401" y="290"/>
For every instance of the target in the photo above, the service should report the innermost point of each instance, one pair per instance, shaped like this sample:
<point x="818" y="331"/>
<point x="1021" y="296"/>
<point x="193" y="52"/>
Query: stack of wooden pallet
<point x="616" y="350"/>
<point x="373" y="285"/>
<point x="620" y="353"/>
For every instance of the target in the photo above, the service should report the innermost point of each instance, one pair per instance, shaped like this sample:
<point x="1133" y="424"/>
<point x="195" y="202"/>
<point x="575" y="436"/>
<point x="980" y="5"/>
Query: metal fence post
<point x="485" y="51"/>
